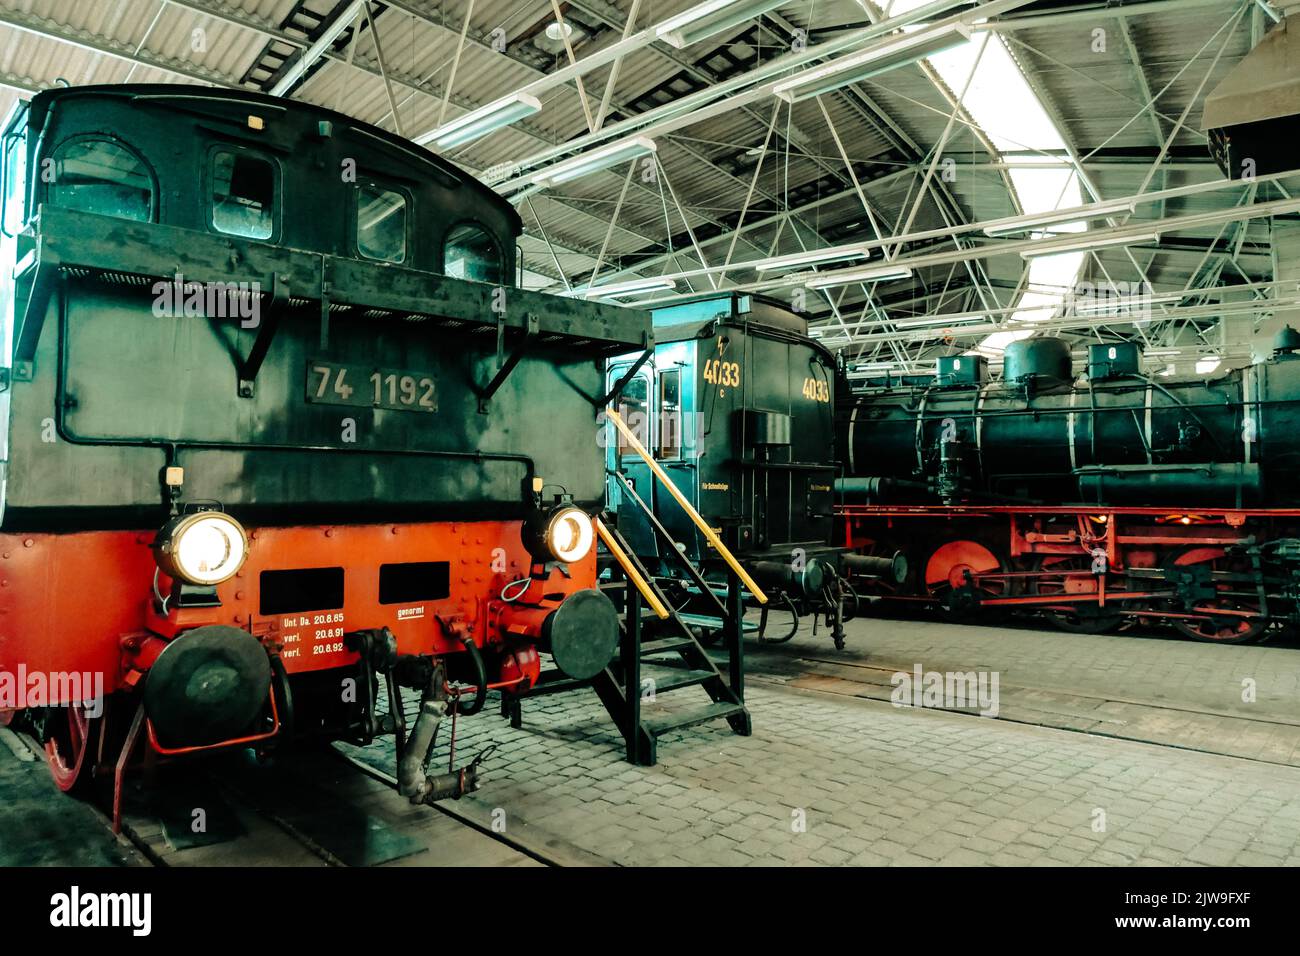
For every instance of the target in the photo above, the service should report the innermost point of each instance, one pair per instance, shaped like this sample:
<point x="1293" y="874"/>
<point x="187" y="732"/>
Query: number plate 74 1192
<point x="332" y="383"/>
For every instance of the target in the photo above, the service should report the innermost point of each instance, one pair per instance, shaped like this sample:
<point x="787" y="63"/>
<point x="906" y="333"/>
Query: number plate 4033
<point x="364" y="386"/>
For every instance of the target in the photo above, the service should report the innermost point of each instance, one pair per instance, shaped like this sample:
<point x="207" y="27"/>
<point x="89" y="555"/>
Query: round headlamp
<point x="569" y="534"/>
<point x="206" y="547"/>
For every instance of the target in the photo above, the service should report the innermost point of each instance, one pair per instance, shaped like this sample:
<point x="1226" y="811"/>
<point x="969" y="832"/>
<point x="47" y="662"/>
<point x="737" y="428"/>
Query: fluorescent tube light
<point x="318" y="48"/>
<point x="699" y="24"/>
<point x="828" y="280"/>
<point x="480" y="122"/>
<point x="635" y="286"/>
<point x="596" y="160"/>
<point x="1058" y="217"/>
<point x="1083" y="243"/>
<point x="812" y="257"/>
<point x="896" y="52"/>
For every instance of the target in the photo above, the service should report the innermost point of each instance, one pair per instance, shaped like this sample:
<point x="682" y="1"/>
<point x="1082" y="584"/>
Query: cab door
<point x="635" y="407"/>
<point x="14" y="185"/>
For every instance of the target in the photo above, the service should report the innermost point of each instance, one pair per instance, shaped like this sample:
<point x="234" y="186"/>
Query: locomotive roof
<point x="193" y="98"/>
<point x="695" y="317"/>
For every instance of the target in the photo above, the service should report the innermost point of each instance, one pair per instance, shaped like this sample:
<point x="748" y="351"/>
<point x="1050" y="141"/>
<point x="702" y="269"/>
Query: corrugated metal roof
<point x="887" y="126"/>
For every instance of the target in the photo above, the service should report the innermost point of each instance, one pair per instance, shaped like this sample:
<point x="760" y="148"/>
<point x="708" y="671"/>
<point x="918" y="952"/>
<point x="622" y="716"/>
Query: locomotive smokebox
<point x="1251" y="116"/>
<point x="1036" y="359"/>
<point x="207" y="686"/>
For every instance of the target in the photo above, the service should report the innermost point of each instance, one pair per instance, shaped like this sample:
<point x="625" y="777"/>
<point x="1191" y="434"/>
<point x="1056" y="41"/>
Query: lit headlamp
<point x="205" y="547"/>
<point x="563" y="534"/>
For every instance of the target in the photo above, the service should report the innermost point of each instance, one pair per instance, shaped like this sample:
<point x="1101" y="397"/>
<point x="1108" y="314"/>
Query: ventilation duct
<point x="1251" y="116"/>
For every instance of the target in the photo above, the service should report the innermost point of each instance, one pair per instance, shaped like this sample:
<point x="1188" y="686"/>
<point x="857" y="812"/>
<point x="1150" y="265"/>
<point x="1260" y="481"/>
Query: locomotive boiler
<point x="279" y="433"/>
<point x="1115" y="436"/>
<point x="1096" y="499"/>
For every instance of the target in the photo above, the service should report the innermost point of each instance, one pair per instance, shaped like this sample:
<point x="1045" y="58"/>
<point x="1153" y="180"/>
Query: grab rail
<point x="630" y="570"/>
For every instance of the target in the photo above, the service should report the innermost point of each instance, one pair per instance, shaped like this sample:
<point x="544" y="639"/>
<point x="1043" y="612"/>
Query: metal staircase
<point x="659" y="652"/>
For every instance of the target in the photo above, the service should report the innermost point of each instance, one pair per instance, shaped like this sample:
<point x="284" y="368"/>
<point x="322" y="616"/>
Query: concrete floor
<point x="40" y="826"/>
<point x="1237" y="701"/>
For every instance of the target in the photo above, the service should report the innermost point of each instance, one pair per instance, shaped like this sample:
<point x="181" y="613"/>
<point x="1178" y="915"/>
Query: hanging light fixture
<point x="710" y="19"/>
<point x="812" y="257"/>
<point x="480" y="122"/>
<point x="1083" y="242"/>
<point x="632" y="287"/>
<point x="603" y="158"/>
<point x="895" y="52"/>
<point x="828" y="280"/>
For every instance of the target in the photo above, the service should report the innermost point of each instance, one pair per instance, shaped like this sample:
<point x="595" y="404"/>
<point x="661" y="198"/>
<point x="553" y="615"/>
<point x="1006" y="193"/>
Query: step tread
<point x="675" y="678"/>
<point x="690" y="718"/>
<point x="707" y="620"/>
<point x="665" y="645"/>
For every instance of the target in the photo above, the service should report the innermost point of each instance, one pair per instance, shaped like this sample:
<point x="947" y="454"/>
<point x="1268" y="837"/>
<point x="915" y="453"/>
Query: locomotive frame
<point x="1089" y="569"/>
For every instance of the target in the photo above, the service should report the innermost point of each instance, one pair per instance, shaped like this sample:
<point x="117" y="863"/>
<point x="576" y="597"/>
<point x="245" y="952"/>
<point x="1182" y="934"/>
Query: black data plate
<point x="364" y="386"/>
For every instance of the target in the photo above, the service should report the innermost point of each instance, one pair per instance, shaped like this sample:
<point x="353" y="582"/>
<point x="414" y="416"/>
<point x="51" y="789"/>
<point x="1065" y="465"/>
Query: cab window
<point x="471" y="253"/>
<point x="670" y="415"/>
<point x="381" y="223"/>
<point x="100" y="176"/>
<point x="243" y="194"/>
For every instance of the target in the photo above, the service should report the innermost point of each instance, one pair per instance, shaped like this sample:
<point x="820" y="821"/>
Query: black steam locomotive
<point x="1116" y="496"/>
<point x="277" y="426"/>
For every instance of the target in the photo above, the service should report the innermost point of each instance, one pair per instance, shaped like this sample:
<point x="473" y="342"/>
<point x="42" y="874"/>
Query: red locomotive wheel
<point x="1221" y="628"/>
<point x="72" y="736"/>
<point x="1081" y="617"/>
<point x="948" y="566"/>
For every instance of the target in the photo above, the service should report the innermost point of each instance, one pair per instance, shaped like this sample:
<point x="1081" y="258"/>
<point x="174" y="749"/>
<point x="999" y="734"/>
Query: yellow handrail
<point x="630" y="570"/>
<point x="694" y="515"/>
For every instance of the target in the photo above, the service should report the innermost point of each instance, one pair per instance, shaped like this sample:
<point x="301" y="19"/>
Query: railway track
<point x="313" y="807"/>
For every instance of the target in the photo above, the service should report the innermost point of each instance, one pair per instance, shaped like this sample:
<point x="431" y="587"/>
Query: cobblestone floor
<point x="1138" y="666"/>
<point x="826" y="781"/>
<point x="1237" y="701"/>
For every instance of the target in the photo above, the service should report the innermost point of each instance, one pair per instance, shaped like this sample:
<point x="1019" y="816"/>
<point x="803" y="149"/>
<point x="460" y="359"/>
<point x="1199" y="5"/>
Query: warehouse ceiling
<point x="685" y="141"/>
